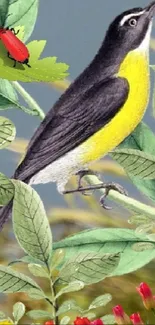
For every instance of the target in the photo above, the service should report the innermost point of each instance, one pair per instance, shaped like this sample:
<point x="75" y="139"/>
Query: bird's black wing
<point x="71" y="122"/>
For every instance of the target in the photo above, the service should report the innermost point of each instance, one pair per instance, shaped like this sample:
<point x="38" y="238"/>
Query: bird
<point x="102" y="106"/>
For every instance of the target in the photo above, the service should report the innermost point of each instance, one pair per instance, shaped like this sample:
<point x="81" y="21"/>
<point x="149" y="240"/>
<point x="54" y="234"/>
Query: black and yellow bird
<point x="98" y="111"/>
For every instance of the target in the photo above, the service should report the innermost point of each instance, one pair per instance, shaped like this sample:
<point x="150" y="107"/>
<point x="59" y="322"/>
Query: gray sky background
<point x="74" y="31"/>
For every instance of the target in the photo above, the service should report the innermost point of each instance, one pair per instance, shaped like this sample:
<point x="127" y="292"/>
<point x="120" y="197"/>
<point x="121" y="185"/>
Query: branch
<point x="125" y="201"/>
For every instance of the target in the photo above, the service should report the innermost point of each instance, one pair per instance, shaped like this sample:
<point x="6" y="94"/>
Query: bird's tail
<point x="5" y="213"/>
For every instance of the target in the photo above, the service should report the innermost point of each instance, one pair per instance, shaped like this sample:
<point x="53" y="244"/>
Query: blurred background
<point x="74" y="31"/>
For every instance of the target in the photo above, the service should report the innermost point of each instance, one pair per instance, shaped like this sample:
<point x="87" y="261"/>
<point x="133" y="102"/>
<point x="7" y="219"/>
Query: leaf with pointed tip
<point x="30" y="222"/>
<point x="6" y="190"/>
<point x="38" y="313"/>
<point x="90" y="267"/>
<point x="36" y="294"/>
<point x="100" y="301"/>
<point x="13" y="281"/>
<point x="65" y="320"/>
<point x="7" y="132"/>
<point x="72" y="286"/>
<point x="108" y="319"/>
<point x="26" y="259"/>
<point x="110" y="240"/>
<point x="89" y="315"/>
<point x="37" y="47"/>
<point x="9" y="98"/>
<point x="145" y="228"/>
<point x="68" y="306"/>
<point x="140" y="220"/>
<point x="56" y="258"/>
<point x="18" y="311"/>
<point x="38" y="270"/>
<point x="151" y="237"/>
<point x="68" y="271"/>
<point x="136" y="163"/>
<point x="143" y="246"/>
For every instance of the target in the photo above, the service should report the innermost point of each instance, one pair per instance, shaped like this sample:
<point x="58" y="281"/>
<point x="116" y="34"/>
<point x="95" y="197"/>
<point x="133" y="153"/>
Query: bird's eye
<point x="132" y="22"/>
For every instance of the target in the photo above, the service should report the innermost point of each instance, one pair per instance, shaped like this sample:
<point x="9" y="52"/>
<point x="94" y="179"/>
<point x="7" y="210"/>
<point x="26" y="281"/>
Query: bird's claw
<point x="81" y="174"/>
<point x="108" y="187"/>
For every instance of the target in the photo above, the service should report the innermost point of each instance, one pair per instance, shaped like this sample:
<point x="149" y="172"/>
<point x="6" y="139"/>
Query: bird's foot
<point x="81" y="174"/>
<point x="111" y="186"/>
<point x="107" y="186"/>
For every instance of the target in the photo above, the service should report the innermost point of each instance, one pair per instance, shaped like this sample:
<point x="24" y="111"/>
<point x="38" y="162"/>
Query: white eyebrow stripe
<point x="124" y="19"/>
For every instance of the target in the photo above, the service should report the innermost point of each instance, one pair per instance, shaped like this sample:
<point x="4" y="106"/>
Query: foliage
<point x="33" y="233"/>
<point x="88" y="257"/>
<point x="139" y="140"/>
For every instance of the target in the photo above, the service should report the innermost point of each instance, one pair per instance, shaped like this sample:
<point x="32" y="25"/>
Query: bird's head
<point x="132" y="29"/>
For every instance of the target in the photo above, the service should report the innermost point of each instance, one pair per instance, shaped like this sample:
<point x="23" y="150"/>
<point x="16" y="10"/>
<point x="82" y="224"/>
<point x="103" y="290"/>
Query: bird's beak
<point x="150" y="10"/>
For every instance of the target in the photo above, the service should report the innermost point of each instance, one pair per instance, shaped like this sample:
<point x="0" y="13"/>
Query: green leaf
<point x="100" y="301"/>
<point x="30" y="222"/>
<point x="26" y="259"/>
<point x="108" y="319"/>
<point x="38" y="270"/>
<point x="35" y="294"/>
<point x="57" y="258"/>
<point x="13" y="281"/>
<point x="6" y="190"/>
<point x="37" y="47"/>
<point x="112" y="241"/>
<point x="141" y="247"/>
<point x="145" y="228"/>
<point x="90" y="267"/>
<point x="3" y="11"/>
<point x="46" y="69"/>
<point x="72" y="286"/>
<point x="9" y="98"/>
<point x="136" y="162"/>
<point x="68" y="271"/>
<point x="140" y="220"/>
<point x="151" y="237"/>
<point x="65" y="320"/>
<point x="89" y="315"/>
<point x="18" y="311"/>
<point x="7" y="132"/>
<point x="37" y="314"/>
<point x="139" y="140"/>
<point x="21" y="12"/>
<point x="68" y="306"/>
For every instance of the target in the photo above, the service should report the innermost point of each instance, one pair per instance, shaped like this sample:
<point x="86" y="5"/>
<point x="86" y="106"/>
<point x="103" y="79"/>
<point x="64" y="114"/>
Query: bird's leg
<point x="111" y="186"/>
<point x="106" y="186"/>
<point x="81" y="174"/>
<point x="80" y="188"/>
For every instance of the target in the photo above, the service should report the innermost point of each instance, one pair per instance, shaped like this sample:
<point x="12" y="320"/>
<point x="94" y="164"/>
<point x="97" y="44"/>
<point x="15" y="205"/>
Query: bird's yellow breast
<point x="135" y="68"/>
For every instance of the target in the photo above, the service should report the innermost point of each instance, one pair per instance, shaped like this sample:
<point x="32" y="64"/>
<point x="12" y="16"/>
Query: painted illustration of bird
<point x="99" y="109"/>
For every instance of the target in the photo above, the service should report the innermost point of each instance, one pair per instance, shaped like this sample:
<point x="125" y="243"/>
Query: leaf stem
<point x="49" y="301"/>
<point x="29" y="100"/>
<point x="126" y="201"/>
<point x="56" y="318"/>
